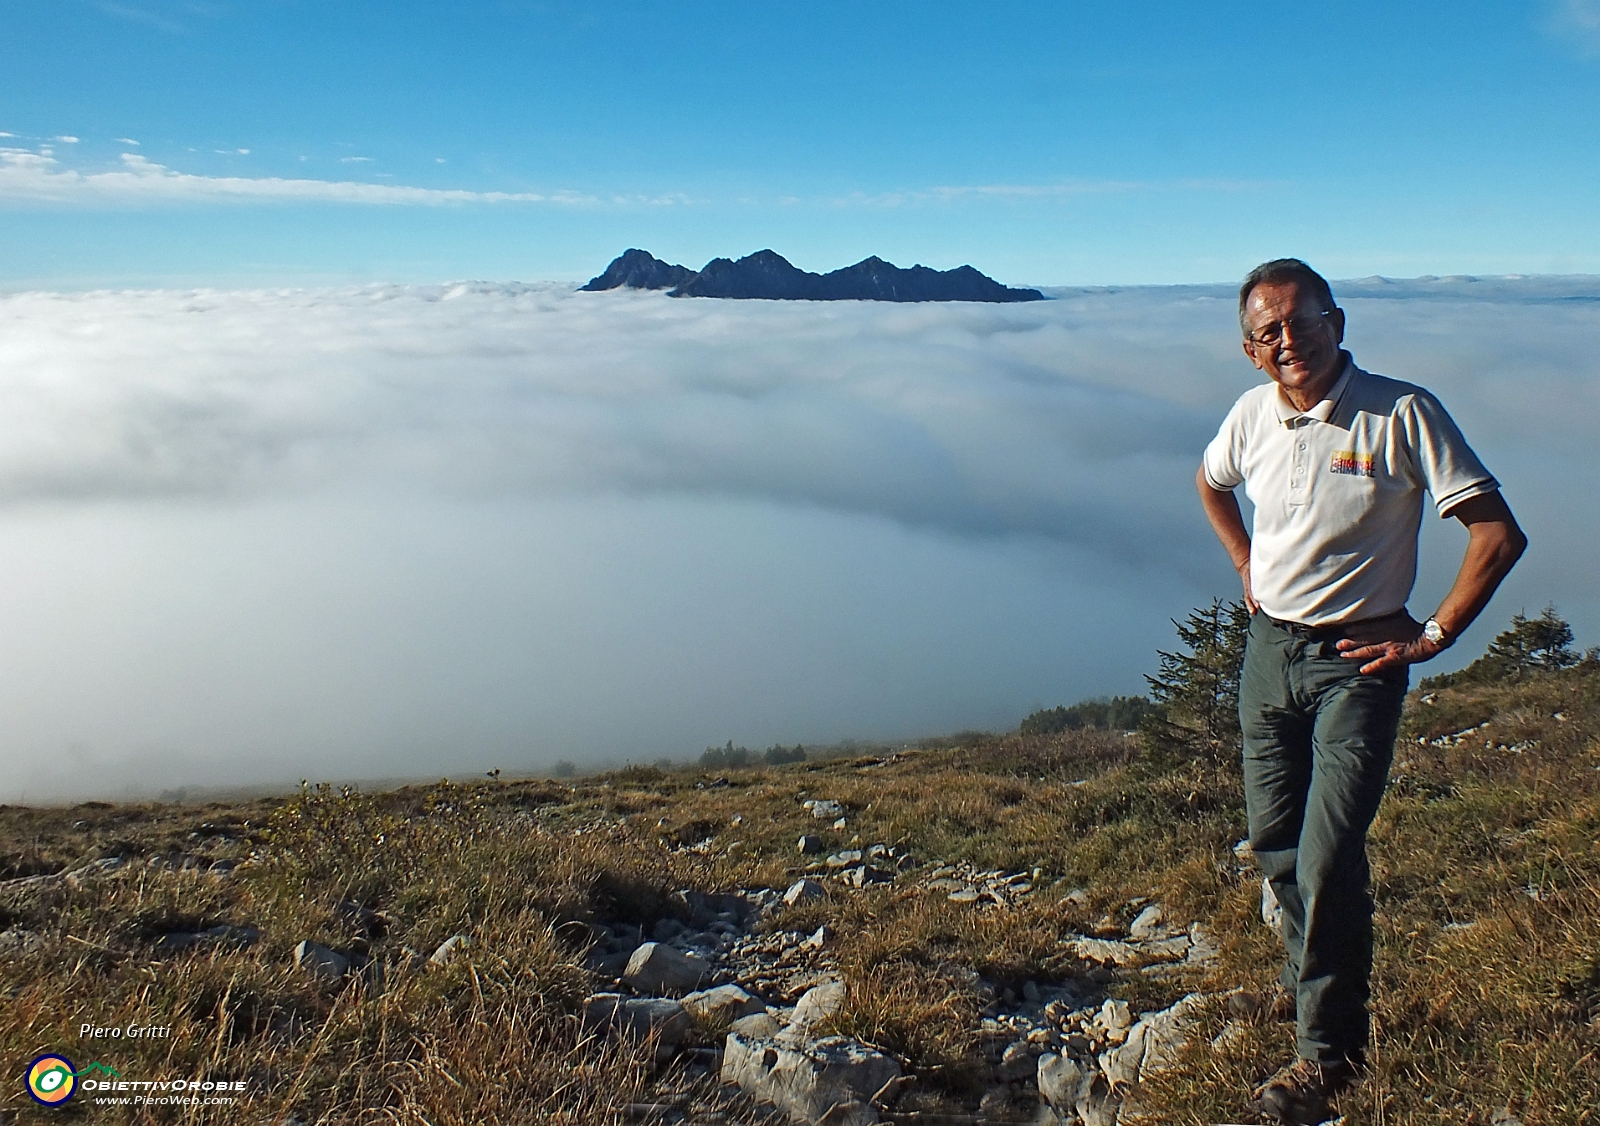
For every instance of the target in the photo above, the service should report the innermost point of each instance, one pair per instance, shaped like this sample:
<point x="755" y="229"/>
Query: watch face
<point x="1432" y="632"/>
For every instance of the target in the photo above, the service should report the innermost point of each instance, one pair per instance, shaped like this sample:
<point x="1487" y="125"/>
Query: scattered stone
<point x="963" y="895"/>
<point x="865" y="874"/>
<point x="1154" y="1042"/>
<point x="221" y="935"/>
<point x="822" y="810"/>
<point x="657" y="968"/>
<point x="1114" y="1015"/>
<point x="722" y="1004"/>
<point x="1233" y="1035"/>
<point x="16" y="941"/>
<point x="803" y="891"/>
<point x="817" y="1004"/>
<point x="327" y="966"/>
<point x="1077" y="1093"/>
<point x="1245" y="1003"/>
<point x="817" y="938"/>
<point x="639" y="1018"/>
<point x="844" y="859"/>
<point x="831" y="1080"/>
<point x="756" y="1026"/>
<point x="1019" y="1061"/>
<point x="104" y="866"/>
<point x="1105" y="951"/>
<point x="1059" y="1078"/>
<point x="1148" y="924"/>
<point x="839" y="825"/>
<point x="1203" y="949"/>
<point x="450" y="949"/>
<point x="1271" y="909"/>
<point x="810" y="844"/>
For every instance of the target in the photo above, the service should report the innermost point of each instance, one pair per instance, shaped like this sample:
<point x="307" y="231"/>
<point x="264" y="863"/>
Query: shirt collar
<point x="1323" y="410"/>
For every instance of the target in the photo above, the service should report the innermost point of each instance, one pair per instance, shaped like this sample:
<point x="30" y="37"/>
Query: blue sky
<point x="1056" y="143"/>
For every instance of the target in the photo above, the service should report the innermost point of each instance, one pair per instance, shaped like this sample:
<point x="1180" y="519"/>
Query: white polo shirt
<point x="1338" y="492"/>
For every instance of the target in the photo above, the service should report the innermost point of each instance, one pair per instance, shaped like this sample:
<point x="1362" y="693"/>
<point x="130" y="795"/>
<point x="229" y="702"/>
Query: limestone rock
<point x="638" y="1018"/>
<point x="1077" y="1092"/>
<point x="327" y="966"/>
<point x="817" y="1004"/>
<point x="17" y="941"/>
<point x="1019" y="1061"/>
<point x="803" y="891"/>
<point x="810" y="1080"/>
<point x="224" y="934"/>
<point x="724" y="1003"/>
<point x="756" y="1026"/>
<point x="1271" y="909"/>
<point x="1106" y="951"/>
<point x="657" y="968"/>
<point x="1059" y="1078"/>
<point x="1154" y="1042"/>
<point x="810" y="844"/>
<point x="1147" y="924"/>
<point x="1203" y="949"/>
<point x="450" y="949"/>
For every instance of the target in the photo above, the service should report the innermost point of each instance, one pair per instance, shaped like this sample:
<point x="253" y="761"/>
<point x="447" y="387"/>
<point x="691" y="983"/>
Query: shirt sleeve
<point x="1449" y="469"/>
<point x="1225" y="455"/>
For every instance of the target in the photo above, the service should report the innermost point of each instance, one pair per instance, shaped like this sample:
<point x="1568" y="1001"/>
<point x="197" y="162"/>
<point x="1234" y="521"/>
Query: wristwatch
<point x="1433" y="631"/>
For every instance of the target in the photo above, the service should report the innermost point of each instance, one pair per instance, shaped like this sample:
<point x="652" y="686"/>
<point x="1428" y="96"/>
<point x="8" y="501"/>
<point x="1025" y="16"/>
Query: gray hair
<point x="1284" y="271"/>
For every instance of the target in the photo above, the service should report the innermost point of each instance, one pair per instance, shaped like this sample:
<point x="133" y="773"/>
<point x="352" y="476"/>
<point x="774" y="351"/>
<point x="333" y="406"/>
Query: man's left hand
<point x="1393" y="652"/>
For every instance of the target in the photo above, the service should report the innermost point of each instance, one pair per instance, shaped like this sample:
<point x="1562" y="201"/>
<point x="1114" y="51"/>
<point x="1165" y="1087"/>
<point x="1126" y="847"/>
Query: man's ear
<point x="1250" y="353"/>
<point x="1336" y="320"/>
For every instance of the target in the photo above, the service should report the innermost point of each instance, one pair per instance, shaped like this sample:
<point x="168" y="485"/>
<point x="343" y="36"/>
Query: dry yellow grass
<point x="1487" y="876"/>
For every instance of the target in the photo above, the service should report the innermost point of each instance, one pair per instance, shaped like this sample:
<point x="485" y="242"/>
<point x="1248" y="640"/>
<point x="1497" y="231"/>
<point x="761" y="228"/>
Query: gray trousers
<point x="1318" y="740"/>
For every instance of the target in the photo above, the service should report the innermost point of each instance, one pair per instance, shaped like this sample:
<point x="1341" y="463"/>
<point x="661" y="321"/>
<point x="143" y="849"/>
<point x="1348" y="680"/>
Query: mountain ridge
<point x="768" y="275"/>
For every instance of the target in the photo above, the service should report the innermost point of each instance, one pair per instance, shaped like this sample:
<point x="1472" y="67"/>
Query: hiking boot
<point x="1301" y="1094"/>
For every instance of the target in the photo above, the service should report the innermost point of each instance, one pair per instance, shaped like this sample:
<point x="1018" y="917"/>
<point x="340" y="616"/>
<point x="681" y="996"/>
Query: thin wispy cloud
<point x="143" y="16"/>
<point x="31" y="176"/>
<point x="65" y="140"/>
<point x="1579" y="22"/>
<point x="1067" y="189"/>
<point x="127" y="141"/>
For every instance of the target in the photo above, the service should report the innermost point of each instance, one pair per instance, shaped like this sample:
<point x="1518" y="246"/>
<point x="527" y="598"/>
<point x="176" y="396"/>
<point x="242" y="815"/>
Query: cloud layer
<point x="26" y="175"/>
<point x="390" y="530"/>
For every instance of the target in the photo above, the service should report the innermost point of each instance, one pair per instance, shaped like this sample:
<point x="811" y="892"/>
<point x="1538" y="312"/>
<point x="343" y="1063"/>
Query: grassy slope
<point x="1486" y="863"/>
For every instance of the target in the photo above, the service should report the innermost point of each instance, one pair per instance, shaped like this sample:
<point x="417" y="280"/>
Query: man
<point x="1335" y="461"/>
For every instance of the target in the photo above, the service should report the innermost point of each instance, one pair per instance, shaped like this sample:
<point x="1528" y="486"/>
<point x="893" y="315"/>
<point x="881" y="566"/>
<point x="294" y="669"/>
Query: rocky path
<point x="1060" y="1053"/>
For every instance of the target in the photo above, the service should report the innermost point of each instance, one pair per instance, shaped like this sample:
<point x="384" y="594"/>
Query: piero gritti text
<point x="125" y="1032"/>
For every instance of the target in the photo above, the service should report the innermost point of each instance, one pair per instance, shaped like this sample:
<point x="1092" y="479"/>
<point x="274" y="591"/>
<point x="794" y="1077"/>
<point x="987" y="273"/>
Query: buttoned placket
<point x="1300" y="467"/>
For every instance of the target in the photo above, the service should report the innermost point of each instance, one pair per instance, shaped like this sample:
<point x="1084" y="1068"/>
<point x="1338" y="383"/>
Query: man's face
<point x="1292" y="337"/>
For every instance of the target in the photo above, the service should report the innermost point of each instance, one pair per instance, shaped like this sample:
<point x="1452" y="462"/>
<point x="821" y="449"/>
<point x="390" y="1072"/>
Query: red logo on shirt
<point x="1348" y="461"/>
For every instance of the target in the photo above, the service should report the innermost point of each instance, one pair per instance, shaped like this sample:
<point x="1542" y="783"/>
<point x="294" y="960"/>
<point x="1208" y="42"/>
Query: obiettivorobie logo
<point x="52" y="1079"/>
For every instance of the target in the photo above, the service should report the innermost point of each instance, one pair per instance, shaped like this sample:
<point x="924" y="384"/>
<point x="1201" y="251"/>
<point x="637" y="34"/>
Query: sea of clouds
<point x="413" y="530"/>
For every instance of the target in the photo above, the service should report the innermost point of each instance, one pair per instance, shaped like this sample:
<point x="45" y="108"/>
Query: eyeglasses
<point x="1272" y="335"/>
